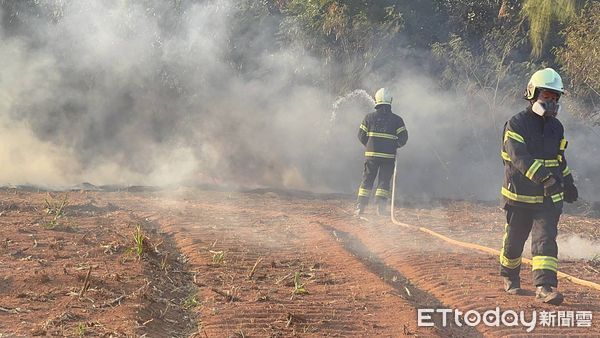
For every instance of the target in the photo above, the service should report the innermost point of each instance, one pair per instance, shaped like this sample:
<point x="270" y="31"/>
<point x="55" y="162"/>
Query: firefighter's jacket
<point x="533" y="148"/>
<point x="382" y="132"/>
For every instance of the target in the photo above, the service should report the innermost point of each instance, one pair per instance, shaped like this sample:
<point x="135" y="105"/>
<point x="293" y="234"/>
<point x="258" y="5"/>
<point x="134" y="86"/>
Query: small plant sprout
<point x="218" y="257"/>
<point x="55" y="209"/>
<point x="80" y="329"/>
<point x="191" y="301"/>
<point x="298" y="285"/>
<point x="138" y="242"/>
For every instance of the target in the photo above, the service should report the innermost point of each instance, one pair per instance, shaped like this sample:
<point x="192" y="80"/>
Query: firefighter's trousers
<point x="373" y="166"/>
<point x="543" y="227"/>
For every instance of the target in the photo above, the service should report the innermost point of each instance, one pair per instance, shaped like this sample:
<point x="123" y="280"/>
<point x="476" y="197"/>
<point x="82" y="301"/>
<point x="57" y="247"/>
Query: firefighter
<point x="536" y="181"/>
<point x="381" y="132"/>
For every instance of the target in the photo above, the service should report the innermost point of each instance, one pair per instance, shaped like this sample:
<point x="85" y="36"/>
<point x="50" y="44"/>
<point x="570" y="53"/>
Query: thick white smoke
<point x="577" y="247"/>
<point x="165" y="92"/>
<point x="145" y="93"/>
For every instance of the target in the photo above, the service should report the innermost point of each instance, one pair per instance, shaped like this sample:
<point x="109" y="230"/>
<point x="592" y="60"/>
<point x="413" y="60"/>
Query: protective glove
<point x="571" y="193"/>
<point x="552" y="186"/>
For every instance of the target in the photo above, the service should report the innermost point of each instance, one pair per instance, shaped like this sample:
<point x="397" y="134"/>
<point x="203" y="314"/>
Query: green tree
<point x="347" y="35"/>
<point x="580" y="60"/>
<point x="471" y="19"/>
<point x="541" y="15"/>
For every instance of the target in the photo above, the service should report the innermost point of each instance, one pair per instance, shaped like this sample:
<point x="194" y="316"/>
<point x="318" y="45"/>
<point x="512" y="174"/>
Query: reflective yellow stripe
<point x="514" y="136"/>
<point x="563" y="144"/>
<point x="566" y="171"/>
<point x="547" y="163"/>
<point x="510" y="263"/>
<point x="382" y="193"/>
<point x="364" y="192"/>
<point x="545" y="267"/>
<point x="559" y="157"/>
<point x="505" y="261"/>
<point x="533" y="169"/>
<point x="557" y="197"/>
<point x="521" y="198"/>
<point x="529" y="199"/>
<point x="382" y="135"/>
<point x="544" y="263"/>
<point x="363" y="127"/>
<point x="376" y="154"/>
<point x="401" y="129"/>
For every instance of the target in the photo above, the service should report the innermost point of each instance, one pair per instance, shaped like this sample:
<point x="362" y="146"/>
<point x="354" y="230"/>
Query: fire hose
<point x="473" y="246"/>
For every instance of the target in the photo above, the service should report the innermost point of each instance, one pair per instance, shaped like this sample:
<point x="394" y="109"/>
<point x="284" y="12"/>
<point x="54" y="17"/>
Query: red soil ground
<point x="257" y="263"/>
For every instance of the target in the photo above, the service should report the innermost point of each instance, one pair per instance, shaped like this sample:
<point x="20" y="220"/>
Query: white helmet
<point x="383" y="96"/>
<point x="547" y="79"/>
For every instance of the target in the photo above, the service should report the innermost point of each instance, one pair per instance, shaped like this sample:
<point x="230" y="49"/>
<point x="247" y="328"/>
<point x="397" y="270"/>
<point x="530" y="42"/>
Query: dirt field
<point x="211" y="263"/>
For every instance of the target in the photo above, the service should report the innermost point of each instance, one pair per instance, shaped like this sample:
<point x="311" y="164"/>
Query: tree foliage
<point x="541" y="14"/>
<point x="471" y="19"/>
<point x="580" y="58"/>
<point x="487" y="46"/>
<point x="348" y="35"/>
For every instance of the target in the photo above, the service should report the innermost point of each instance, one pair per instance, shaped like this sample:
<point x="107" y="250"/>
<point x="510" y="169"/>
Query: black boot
<point x="512" y="286"/>
<point x="546" y="294"/>
<point x="382" y="207"/>
<point x="361" y="205"/>
<point x="360" y="209"/>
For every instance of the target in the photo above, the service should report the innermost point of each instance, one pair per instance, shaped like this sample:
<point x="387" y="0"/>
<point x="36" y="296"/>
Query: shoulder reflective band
<point x="382" y="135"/>
<point x="376" y="154"/>
<point x="401" y="129"/>
<point x="505" y="156"/>
<point x="514" y="136"/>
<point x="521" y="198"/>
<point x="566" y="171"/>
<point x="563" y="144"/>
<point x="535" y="166"/>
<point x="363" y="127"/>
<point x="544" y="263"/>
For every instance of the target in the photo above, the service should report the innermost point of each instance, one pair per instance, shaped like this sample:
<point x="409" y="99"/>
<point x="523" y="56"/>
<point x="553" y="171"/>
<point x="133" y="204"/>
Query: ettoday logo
<point x="508" y="318"/>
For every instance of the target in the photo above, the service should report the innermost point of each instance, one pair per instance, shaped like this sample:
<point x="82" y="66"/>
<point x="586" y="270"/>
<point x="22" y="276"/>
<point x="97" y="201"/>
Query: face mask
<point x="549" y="108"/>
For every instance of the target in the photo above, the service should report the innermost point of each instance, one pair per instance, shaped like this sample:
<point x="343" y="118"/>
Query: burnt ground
<point x="210" y="263"/>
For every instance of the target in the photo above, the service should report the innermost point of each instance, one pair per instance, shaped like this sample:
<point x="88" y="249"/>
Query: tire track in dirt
<point x="460" y="278"/>
<point x="78" y="276"/>
<point x="344" y="298"/>
<point x="484" y="225"/>
<point x="394" y="278"/>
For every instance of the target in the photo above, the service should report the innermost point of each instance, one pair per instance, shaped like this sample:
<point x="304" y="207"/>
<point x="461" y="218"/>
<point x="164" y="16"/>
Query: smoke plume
<point x="183" y="92"/>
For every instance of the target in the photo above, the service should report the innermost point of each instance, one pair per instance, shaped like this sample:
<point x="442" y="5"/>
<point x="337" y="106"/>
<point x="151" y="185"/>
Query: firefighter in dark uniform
<point x="536" y="181"/>
<point x="381" y="132"/>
